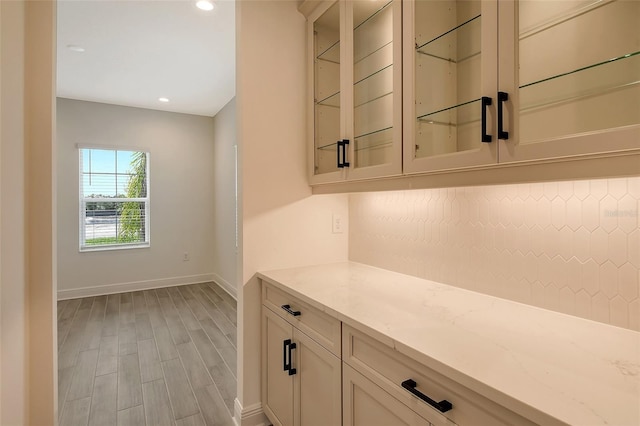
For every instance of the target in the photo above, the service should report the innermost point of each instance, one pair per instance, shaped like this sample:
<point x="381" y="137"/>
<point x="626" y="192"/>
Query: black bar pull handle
<point x="292" y="370"/>
<point x="442" y="406"/>
<point x="486" y="101"/>
<point x="338" y="147"/>
<point x="290" y="311"/>
<point x="345" y="142"/>
<point x="285" y="365"/>
<point x="502" y="98"/>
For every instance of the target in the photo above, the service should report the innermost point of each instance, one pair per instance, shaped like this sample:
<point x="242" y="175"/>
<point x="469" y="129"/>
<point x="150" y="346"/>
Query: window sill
<point x="86" y="249"/>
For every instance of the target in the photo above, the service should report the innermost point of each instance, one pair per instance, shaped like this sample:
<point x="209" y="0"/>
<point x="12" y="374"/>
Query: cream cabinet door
<point x="569" y="71"/>
<point x="366" y="404"/>
<point x="277" y="383"/>
<point x="317" y="384"/>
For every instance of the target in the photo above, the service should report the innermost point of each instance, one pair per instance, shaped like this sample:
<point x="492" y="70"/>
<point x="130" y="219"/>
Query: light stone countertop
<point x="549" y="367"/>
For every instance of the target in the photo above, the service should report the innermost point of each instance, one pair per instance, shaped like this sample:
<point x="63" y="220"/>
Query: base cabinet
<point x="366" y="404"/>
<point x="301" y="380"/>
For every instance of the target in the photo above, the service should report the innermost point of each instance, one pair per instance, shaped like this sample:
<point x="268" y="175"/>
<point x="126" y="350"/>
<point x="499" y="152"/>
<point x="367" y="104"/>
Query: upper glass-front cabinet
<point x="356" y="75"/>
<point x="450" y="81"/>
<point x="572" y="71"/>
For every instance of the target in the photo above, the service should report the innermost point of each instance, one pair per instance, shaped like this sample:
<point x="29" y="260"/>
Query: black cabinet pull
<point x="338" y="146"/>
<point x="345" y="142"/>
<point x="290" y="311"/>
<point x="502" y="98"/>
<point x="486" y="101"/>
<point x="442" y="406"/>
<point x="292" y="370"/>
<point x="285" y="344"/>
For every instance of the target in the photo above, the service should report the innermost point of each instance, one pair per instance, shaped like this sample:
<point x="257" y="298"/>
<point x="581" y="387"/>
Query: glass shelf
<point x="446" y="48"/>
<point x="613" y="74"/>
<point x="443" y="116"/>
<point x="330" y="101"/>
<point x="331" y="54"/>
<point x="369" y="15"/>
<point x="328" y="147"/>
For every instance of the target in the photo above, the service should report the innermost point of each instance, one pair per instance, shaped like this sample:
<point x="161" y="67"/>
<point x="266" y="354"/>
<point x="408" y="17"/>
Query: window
<point x="114" y="199"/>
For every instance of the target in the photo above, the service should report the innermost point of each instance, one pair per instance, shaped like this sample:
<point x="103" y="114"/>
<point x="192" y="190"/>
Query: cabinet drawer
<point x="389" y="369"/>
<point x="321" y="327"/>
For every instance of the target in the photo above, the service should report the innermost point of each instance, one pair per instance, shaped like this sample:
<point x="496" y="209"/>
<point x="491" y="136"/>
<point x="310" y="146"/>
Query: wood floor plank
<point x="144" y="330"/>
<point x="220" y="319"/>
<point x="139" y="303"/>
<point x="157" y="408"/>
<point x="194" y="366"/>
<point x="60" y="305"/>
<point x="150" y="368"/>
<point x="153" y="307"/>
<point x="126" y="309"/>
<point x="104" y="400"/>
<point x="129" y="385"/>
<point x="180" y="394"/>
<point x="176" y="327"/>
<point x="196" y="307"/>
<point x="188" y="319"/>
<point x="195" y="420"/>
<point x="64" y="383"/>
<point x="205" y="348"/>
<point x="221" y="343"/>
<point x="127" y="341"/>
<point x="111" y="320"/>
<point x="94" y="326"/>
<point x="133" y="416"/>
<point x="82" y="382"/>
<point x="75" y="338"/>
<point x="226" y="384"/>
<point x="225" y="295"/>
<point x="166" y="348"/>
<point x="214" y="409"/>
<point x="76" y="413"/>
<point x="65" y="319"/>
<point x="107" y="355"/>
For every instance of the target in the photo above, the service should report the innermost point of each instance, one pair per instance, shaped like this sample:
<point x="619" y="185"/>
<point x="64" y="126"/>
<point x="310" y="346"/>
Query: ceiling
<point x="138" y="51"/>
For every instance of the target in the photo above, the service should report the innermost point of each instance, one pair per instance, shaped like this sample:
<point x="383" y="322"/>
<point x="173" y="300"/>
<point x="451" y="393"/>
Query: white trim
<point x="132" y="286"/>
<point x="226" y="286"/>
<point x="252" y="415"/>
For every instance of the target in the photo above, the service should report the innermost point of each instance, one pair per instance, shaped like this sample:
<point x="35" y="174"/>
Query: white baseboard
<point x="133" y="286"/>
<point x="249" y="416"/>
<point x="226" y="286"/>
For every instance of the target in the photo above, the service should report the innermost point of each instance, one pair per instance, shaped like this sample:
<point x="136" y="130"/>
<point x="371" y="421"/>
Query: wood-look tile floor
<point x="154" y="357"/>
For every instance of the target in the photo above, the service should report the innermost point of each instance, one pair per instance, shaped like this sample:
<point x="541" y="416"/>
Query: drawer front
<point x="389" y="369"/>
<point x="318" y="325"/>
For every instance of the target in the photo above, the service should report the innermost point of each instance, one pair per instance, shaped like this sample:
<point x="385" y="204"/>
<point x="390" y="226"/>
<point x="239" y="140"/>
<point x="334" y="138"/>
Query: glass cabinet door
<point x="450" y="55"/>
<point x="575" y="75"/>
<point x="325" y="45"/>
<point x="376" y="80"/>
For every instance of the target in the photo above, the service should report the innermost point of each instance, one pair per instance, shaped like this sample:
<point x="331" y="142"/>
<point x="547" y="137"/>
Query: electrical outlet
<point x="337" y="224"/>
<point x="185" y="256"/>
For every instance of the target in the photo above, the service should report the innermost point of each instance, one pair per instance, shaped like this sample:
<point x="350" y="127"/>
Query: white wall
<point x="225" y="254"/>
<point x="282" y="225"/>
<point x="27" y="214"/>
<point x="182" y="202"/>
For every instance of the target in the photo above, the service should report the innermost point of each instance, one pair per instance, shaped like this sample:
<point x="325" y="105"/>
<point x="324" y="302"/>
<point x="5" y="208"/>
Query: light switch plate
<point x="337" y="224"/>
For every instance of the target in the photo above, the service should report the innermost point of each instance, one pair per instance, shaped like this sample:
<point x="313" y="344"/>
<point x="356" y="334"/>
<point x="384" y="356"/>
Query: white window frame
<point x="83" y="200"/>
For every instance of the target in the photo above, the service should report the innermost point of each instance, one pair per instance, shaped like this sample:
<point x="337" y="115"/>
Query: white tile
<point x="573" y="211"/>
<point x="634" y="315"/>
<point x="633" y="187"/>
<point x="608" y="277"/>
<point x="580" y="244"/>
<point x="543" y="212"/>
<point x="545" y="271"/>
<point x="559" y="271"/>
<point x="608" y="213"/>
<point x="599" y="188"/>
<point x="537" y="294"/>
<point x="567" y="301"/>
<point x="552" y="297"/>
<point x="617" y="187"/>
<point x="537" y="240"/>
<point x="600" y="308"/>
<point x="517" y="212"/>
<point x="536" y="190"/>
<point x="628" y="282"/>
<point x="581" y="188"/>
<point x="574" y="269"/>
<point x="619" y="312"/>
<point x="633" y="248"/>
<point x="628" y="213"/>
<point x="599" y="245"/>
<point x="617" y="247"/>
<point x="591" y="213"/>
<point x="565" y="189"/>
<point x="530" y="265"/>
<point x="551" y="241"/>
<point x="550" y="190"/>
<point x="583" y="304"/>
<point x="565" y="242"/>
<point x="589" y="276"/>
<point x="558" y="212"/>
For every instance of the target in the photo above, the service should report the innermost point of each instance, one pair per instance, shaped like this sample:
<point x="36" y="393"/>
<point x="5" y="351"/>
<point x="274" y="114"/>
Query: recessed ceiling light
<point x="205" y="5"/>
<point x="75" y="47"/>
<point x="163" y="99"/>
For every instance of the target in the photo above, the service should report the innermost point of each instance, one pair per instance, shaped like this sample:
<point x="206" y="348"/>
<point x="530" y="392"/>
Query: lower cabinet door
<point x="317" y="386"/>
<point x="277" y="383"/>
<point x="366" y="404"/>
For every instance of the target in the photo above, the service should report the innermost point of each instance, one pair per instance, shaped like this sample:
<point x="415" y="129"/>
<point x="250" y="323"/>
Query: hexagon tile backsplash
<point x="572" y="247"/>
